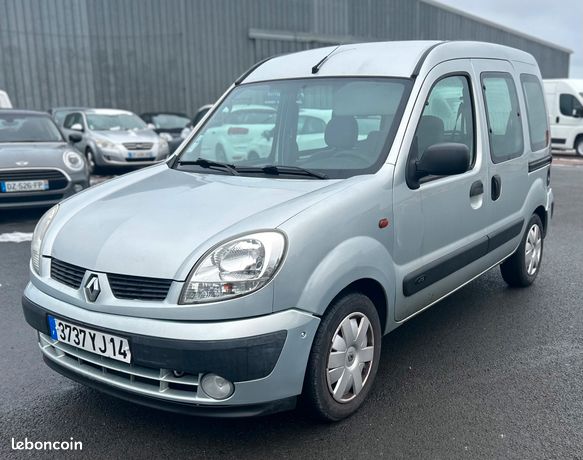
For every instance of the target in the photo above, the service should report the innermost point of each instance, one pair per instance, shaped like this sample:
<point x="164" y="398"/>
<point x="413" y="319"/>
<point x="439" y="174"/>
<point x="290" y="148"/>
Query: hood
<point x="157" y="222"/>
<point x="119" y="137"/>
<point x="33" y="155"/>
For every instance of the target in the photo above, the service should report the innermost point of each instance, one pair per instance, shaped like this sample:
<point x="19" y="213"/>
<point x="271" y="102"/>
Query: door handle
<point x="477" y="188"/>
<point x="496" y="187"/>
<point x="557" y="120"/>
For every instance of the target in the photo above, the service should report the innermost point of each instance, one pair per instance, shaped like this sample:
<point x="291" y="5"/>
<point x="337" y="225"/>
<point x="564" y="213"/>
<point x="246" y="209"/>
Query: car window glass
<point x="503" y="115"/>
<point x="569" y="105"/>
<point x="28" y="128"/>
<point x="535" y="111"/>
<point x="448" y="116"/>
<point x="70" y="120"/>
<point x="337" y="126"/>
<point x="167" y="121"/>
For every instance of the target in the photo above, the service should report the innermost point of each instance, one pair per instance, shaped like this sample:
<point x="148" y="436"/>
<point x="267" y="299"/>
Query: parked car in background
<point x="5" y="102"/>
<point x="200" y="113"/>
<point x="233" y="289"/>
<point x="565" y="103"/>
<point x="234" y="132"/>
<point x="60" y="113"/>
<point x="38" y="167"/>
<point x="168" y="125"/>
<point x="115" y="138"/>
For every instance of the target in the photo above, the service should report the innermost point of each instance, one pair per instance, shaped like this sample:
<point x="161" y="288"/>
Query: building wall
<point x="176" y="55"/>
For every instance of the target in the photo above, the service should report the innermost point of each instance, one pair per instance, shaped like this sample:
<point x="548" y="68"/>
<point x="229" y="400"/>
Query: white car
<point x="229" y="137"/>
<point x="310" y="133"/>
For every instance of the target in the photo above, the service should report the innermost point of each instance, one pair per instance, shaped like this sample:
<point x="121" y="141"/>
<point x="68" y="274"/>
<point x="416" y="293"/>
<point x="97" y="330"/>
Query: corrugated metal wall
<point x="176" y="55"/>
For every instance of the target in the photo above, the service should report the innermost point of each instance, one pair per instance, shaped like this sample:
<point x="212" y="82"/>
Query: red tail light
<point x="237" y="130"/>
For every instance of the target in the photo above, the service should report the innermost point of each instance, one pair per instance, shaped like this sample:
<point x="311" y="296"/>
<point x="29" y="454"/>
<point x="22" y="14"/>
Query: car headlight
<point x="166" y="136"/>
<point x="163" y="145"/>
<point x="107" y="145"/>
<point x="38" y="236"/>
<point x="234" y="268"/>
<point x="73" y="161"/>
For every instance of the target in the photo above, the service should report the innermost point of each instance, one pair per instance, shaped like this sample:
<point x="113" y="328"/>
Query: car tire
<point x="579" y="146"/>
<point x="91" y="165"/>
<point x="522" y="267"/>
<point x="330" y="393"/>
<point x="220" y="154"/>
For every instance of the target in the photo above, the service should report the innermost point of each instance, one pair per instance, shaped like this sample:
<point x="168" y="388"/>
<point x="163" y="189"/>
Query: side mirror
<point x="445" y="159"/>
<point x="151" y="126"/>
<point x="75" y="137"/>
<point x="77" y="127"/>
<point x="578" y="112"/>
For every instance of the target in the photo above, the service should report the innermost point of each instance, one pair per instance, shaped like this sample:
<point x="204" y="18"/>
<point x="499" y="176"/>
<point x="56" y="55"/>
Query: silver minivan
<point x="233" y="289"/>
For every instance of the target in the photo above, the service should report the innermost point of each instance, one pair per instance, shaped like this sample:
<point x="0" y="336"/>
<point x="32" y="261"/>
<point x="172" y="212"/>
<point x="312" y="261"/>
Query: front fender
<point x="357" y="258"/>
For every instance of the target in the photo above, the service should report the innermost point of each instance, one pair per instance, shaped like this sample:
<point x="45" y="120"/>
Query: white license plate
<point x="24" y="186"/>
<point x="134" y="155"/>
<point x="87" y="339"/>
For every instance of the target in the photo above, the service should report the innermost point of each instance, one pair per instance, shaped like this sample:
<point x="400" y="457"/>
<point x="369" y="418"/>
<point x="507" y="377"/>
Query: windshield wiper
<point x="284" y="169"/>
<point x="204" y="163"/>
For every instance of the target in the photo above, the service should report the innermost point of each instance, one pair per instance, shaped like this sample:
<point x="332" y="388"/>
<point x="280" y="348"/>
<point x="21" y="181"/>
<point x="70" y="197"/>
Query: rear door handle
<point x="477" y="188"/>
<point x="496" y="187"/>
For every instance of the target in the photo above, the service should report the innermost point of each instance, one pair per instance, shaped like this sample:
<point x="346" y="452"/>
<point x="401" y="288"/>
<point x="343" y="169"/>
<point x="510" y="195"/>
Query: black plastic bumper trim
<point x="540" y="163"/>
<point x="251" y="410"/>
<point x="239" y="360"/>
<point x="445" y="266"/>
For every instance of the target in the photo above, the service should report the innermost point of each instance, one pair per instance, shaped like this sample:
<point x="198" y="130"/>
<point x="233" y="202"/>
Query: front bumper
<point x="265" y="357"/>
<point x="42" y="199"/>
<point x="114" y="158"/>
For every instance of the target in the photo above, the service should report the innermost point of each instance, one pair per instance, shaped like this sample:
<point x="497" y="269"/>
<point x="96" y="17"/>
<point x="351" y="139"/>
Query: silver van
<point x="232" y="289"/>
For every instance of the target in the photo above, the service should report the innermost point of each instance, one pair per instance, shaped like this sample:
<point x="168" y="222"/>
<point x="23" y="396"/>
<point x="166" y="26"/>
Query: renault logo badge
<point x="92" y="288"/>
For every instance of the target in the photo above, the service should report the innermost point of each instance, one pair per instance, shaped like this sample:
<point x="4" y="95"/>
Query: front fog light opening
<point x="216" y="387"/>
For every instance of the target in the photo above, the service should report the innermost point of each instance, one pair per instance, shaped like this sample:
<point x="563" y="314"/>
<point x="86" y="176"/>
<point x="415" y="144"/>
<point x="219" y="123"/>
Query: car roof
<point x="65" y="109"/>
<point x="378" y="59"/>
<point x="19" y="112"/>
<point x="108" y="111"/>
<point x="179" y="114"/>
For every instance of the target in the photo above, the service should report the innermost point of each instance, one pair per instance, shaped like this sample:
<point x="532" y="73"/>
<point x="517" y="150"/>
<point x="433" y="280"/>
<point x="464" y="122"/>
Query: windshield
<point x="169" y="121"/>
<point x="338" y="127"/>
<point x="114" y="122"/>
<point x="28" y="128"/>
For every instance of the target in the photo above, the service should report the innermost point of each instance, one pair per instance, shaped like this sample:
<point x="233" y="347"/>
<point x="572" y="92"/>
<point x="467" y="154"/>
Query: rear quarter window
<point x="535" y="111"/>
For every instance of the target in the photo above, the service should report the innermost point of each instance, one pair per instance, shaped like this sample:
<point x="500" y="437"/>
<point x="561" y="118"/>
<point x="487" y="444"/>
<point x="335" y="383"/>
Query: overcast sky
<point x="556" y="21"/>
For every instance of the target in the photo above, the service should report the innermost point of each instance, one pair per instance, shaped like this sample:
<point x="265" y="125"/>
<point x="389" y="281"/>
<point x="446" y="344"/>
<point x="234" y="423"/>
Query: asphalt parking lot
<point x="489" y="372"/>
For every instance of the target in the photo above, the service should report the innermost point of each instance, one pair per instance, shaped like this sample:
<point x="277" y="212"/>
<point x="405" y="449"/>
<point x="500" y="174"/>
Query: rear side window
<point x="504" y="124"/>
<point x="535" y="111"/>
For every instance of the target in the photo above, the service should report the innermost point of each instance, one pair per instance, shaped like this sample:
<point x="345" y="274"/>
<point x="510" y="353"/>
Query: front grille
<point x="68" y="274"/>
<point x="159" y="383"/>
<point x="138" y="288"/>
<point x="122" y="286"/>
<point x="138" y="145"/>
<point x="57" y="180"/>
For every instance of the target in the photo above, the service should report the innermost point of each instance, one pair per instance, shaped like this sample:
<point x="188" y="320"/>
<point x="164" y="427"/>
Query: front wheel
<point x="522" y="267"/>
<point x="344" y="358"/>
